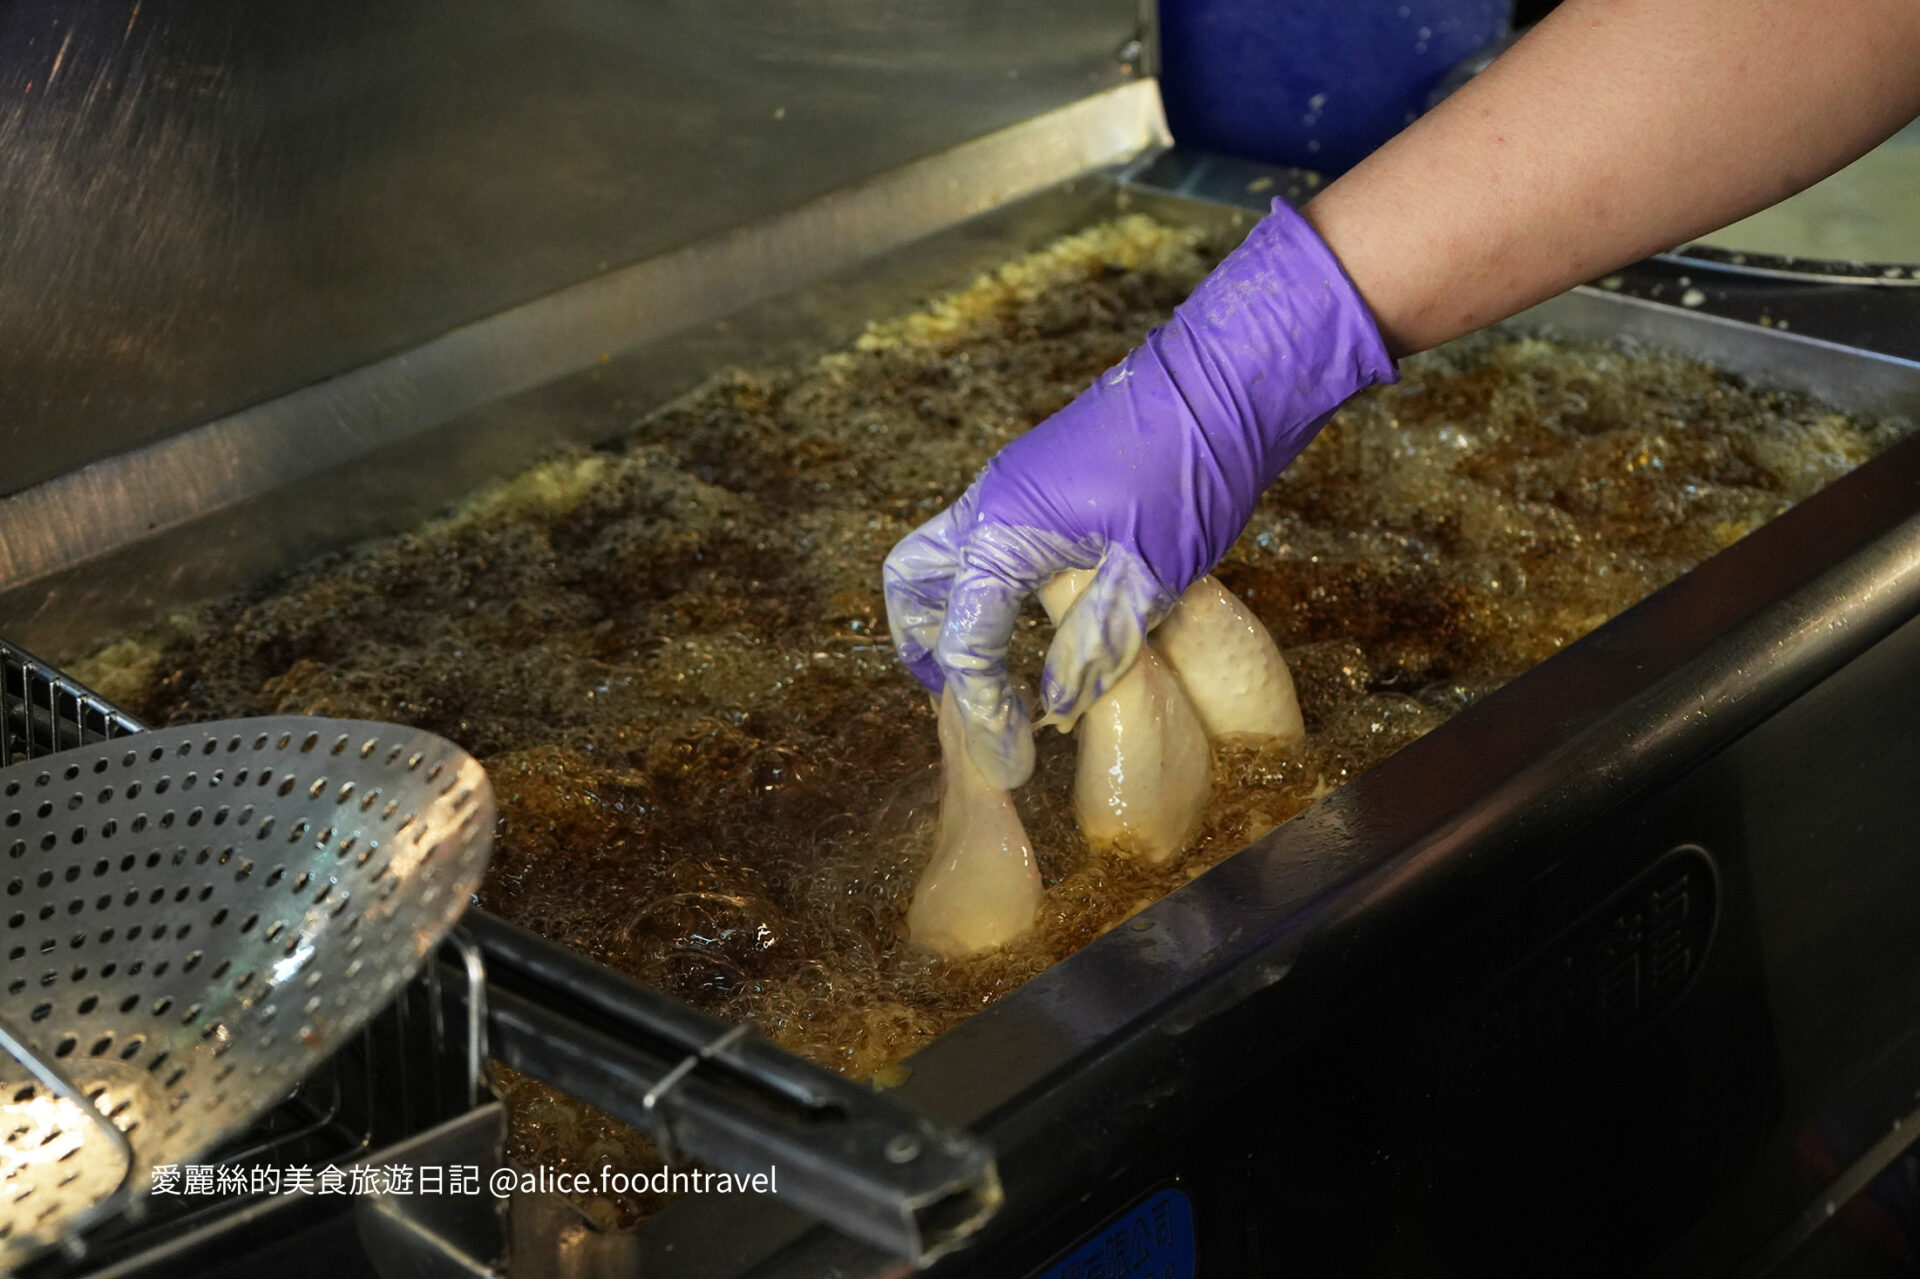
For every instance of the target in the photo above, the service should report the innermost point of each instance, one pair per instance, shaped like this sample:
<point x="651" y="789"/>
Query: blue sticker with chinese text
<point x="1151" y="1240"/>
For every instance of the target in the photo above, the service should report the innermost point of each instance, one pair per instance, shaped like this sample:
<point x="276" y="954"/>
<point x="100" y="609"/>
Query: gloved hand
<point x="1147" y="477"/>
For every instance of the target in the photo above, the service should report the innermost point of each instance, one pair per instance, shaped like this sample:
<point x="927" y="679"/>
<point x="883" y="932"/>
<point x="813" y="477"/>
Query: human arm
<point x="1613" y="130"/>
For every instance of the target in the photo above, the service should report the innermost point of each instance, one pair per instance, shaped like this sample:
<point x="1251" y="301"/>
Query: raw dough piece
<point x="982" y="888"/>
<point x="1230" y="667"/>
<point x="1145" y="771"/>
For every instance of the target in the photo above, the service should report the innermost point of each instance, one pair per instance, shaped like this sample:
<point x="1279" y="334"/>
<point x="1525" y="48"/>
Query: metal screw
<point x="903" y="1148"/>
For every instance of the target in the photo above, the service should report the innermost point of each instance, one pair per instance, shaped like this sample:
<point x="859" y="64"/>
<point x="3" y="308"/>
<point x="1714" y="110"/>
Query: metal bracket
<point x="69" y="1227"/>
<point x="863" y="1162"/>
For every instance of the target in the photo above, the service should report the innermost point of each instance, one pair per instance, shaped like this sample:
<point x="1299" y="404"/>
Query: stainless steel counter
<point x="206" y="206"/>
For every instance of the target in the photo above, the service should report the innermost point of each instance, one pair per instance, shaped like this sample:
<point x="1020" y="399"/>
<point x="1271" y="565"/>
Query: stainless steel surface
<point x="1244" y="921"/>
<point x="552" y="1240"/>
<point x="473" y="1025"/>
<point x="1818" y="1215"/>
<point x="1769" y="266"/>
<point x="1208" y="184"/>
<point x="1867" y="212"/>
<point x="283" y="452"/>
<point x="441" y="1236"/>
<point x="210" y="205"/>
<point x="295" y="1235"/>
<point x="1853" y="381"/>
<point x="203" y="974"/>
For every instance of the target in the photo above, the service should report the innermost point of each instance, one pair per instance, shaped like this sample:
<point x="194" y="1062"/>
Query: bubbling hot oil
<point x="713" y="777"/>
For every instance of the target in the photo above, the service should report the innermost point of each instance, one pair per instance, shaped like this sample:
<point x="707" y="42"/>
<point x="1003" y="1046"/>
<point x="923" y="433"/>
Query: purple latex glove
<point x="1147" y="477"/>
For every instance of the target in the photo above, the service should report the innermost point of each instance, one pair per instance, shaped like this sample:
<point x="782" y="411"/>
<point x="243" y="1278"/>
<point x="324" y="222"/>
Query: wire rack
<point x="416" y="1065"/>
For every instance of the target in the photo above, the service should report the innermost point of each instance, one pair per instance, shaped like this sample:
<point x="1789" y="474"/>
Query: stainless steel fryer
<point x="1253" y="952"/>
<point x="1350" y="1046"/>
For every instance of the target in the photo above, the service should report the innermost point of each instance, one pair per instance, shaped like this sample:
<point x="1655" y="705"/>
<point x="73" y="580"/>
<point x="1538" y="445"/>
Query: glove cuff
<point x="1282" y="322"/>
<point x="1363" y="347"/>
<point x="1254" y="362"/>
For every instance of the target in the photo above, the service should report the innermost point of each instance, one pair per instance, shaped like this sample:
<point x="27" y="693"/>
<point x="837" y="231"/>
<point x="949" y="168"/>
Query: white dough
<point x="1144" y="772"/>
<point x="982" y="888"/>
<point x="1230" y="667"/>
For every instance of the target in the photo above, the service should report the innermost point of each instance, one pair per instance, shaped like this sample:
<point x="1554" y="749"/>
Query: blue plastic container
<point x="1312" y="83"/>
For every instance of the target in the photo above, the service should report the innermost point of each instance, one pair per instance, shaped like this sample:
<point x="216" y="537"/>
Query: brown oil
<point x="672" y="657"/>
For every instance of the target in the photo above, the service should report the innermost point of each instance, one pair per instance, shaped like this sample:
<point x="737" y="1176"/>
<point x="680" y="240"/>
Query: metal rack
<point x="42" y="711"/>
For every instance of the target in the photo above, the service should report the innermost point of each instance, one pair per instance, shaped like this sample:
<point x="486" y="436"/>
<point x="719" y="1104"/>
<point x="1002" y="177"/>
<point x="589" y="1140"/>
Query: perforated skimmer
<point x="193" y="919"/>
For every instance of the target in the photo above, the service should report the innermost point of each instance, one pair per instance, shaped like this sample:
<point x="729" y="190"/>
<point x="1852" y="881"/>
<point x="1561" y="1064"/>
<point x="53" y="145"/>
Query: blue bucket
<point x="1312" y="83"/>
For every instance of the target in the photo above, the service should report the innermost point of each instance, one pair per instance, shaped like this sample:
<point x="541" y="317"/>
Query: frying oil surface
<point x="712" y="775"/>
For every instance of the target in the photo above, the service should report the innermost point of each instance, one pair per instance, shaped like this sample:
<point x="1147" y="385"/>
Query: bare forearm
<point x="1616" y="129"/>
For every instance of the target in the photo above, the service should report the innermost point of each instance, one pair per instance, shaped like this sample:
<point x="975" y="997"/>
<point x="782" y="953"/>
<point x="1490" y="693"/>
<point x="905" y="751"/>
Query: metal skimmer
<point x="193" y="919"/>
